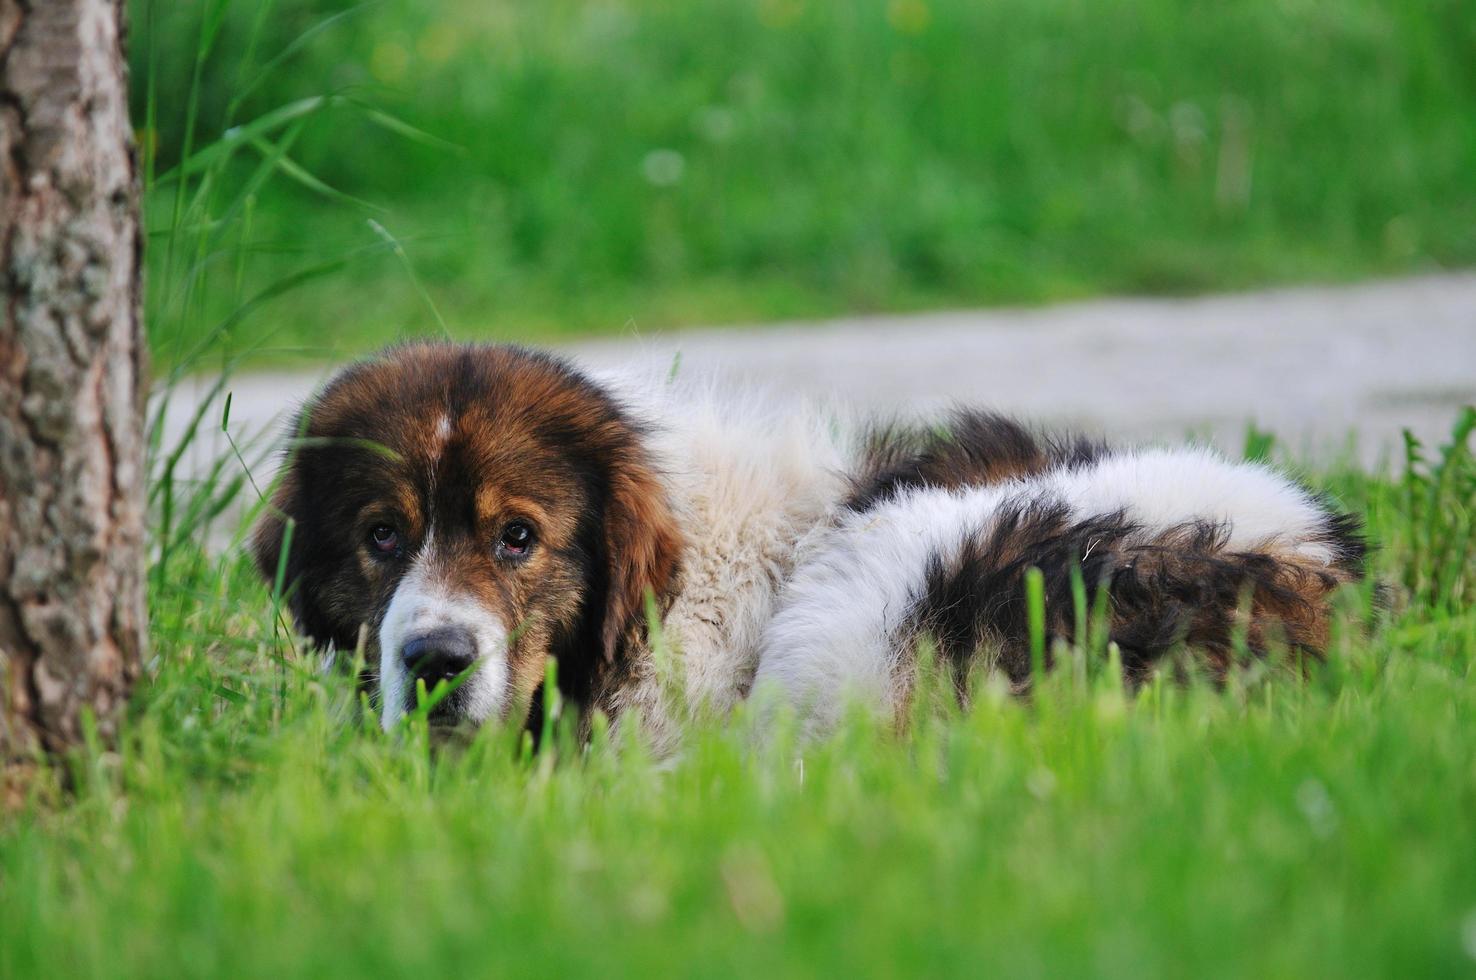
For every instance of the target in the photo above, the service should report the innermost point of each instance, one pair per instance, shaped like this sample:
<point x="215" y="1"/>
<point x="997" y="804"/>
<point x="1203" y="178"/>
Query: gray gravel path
<point x="1325" y="368"/>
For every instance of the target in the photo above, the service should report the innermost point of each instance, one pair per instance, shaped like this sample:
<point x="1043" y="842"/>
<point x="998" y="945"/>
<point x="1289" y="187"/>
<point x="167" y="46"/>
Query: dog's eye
<point x="515" y="540"/>
<point x="384" y="539"/>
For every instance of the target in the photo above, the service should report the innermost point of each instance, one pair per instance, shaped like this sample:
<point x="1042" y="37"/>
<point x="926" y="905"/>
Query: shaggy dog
<point x="473" y="511"/>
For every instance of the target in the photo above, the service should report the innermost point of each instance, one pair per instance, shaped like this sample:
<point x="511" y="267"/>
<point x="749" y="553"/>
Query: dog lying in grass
<point x="472" y="511"/>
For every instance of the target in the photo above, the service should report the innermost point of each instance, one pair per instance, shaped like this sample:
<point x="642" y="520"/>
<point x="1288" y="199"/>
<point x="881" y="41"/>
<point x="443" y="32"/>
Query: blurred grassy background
<point x="648" y="164"/>
<point x="665" y="164"/>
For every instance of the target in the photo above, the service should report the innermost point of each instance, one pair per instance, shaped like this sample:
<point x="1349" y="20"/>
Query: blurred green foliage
<point x="658" y="163"/>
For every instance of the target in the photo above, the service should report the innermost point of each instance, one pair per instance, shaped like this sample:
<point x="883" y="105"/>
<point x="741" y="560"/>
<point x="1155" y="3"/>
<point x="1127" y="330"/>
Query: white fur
<point x="835" y="639"/>
<point x="1161" y="488"/>
<point x="423" y="602"/>
<point x="749" y="475"/>
<point x="832" y="641"/>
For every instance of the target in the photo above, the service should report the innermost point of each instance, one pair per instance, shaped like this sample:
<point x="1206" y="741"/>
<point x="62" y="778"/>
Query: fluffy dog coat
<point x="478" y="509"/>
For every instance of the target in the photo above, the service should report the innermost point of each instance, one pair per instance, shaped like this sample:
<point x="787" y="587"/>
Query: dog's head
<point x="473" y="510"/>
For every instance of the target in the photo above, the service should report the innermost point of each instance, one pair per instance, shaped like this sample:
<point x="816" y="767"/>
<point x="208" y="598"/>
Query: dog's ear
<point x="643" y="545"/>
<point x="271" y="535"/>
<point x="284" y="525"/>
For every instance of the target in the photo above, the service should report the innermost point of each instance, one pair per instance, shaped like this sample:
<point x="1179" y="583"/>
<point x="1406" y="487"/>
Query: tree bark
<point x="72" y="616"/>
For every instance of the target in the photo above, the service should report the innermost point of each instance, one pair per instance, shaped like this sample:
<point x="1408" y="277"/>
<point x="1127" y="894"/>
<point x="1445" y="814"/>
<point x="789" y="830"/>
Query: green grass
<point x="251" y="823"/>
<point x="592" y="166"/>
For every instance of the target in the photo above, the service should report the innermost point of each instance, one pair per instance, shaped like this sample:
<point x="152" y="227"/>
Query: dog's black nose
<point x="440" y="654"/>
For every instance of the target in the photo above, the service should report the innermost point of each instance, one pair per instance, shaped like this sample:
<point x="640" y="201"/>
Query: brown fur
<point x="968" y="449"/>
<point x="527" y="439"/>
<point x="1182" y="589"/>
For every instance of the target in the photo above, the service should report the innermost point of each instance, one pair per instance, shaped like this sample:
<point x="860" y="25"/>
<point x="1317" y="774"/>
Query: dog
<point x="475" y="511"/>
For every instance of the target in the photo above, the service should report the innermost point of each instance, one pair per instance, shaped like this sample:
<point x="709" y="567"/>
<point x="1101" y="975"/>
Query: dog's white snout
<point x="433" y="633"/>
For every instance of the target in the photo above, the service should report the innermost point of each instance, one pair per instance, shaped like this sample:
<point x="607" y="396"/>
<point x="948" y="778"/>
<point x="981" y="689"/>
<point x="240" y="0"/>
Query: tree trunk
<point x="71" y="375"/>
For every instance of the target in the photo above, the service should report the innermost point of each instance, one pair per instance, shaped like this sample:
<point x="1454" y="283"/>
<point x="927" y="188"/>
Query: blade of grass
<point x="425" y="296"/>
<point x="1035" y="621"/>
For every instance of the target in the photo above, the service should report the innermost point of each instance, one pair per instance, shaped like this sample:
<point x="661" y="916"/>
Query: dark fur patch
<point x="1343" y="533"/>
<point x="1180" y="588"/>
<point x="971" y="448"/>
